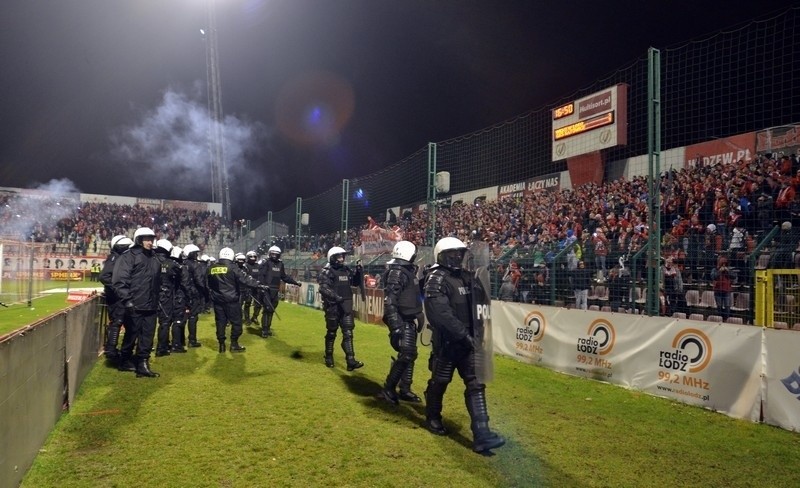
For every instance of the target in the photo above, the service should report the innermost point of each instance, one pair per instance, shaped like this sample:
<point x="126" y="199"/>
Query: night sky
<point x="110" y="95"/>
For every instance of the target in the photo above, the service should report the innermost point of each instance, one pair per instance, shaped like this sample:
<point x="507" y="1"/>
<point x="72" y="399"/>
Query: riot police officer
<point x="170" y="276"/>
<point x="450" y="306"/>
<point x="136" y="281"/>
<point x="116" y="312"/>
<point x="271" y="274"/>
<point x="198" y="290"/>
<point x="225" y="280"/>
<point x="253" y="269"/>
<point x="402" y="307"/>
<point x="180" y="304"/>
<point x="335" y="281"/>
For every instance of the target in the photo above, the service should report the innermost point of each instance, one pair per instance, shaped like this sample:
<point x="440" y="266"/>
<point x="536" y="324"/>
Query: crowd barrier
<point x="41" y="368"/>
<point x="743" y="371"/>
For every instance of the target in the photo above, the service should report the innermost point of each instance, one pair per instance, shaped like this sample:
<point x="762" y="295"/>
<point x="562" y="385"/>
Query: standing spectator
<point x="508" y="290"/>
<point x="673" y="288"/>
<point x="722" y="287"/>
<point x="618" y="289"/>
<point x="136" y="281"/>
<point x="600" y="250"/>
<point x="581" y="282"/>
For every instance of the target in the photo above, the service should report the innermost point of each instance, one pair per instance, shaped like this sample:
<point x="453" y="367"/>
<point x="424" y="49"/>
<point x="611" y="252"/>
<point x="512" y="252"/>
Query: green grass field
<point x="17" y="313"/>
<point x="276" y="416"/>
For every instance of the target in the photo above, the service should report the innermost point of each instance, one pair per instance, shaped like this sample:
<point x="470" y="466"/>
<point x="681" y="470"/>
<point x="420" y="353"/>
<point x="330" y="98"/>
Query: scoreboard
<point x="595" y="122"/>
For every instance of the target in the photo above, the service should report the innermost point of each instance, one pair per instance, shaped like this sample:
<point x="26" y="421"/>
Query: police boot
<point x="193" y="333"/>
<point x="125" y="363"/>
<point x="329" y="352"/>
<point x="265" y="325"/>
<point x="110" y="350"/>
<point x="221" y="346"/>
<point x="177" y="334"/>
<point x="389" y="392"/>
<point x="247" y="315"/>
<point x="349" y="353"/>
<point x="483" y="438"/>
<point x="267" y="318"/>
<point x="405" y="385"/>
<point x="143" y="369"/>
<point x="235" y="347"/>
<point x="433" y="407"/>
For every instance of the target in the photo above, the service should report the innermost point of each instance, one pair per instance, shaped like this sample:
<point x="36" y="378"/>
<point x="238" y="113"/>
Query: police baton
<point x="267" y="300"/>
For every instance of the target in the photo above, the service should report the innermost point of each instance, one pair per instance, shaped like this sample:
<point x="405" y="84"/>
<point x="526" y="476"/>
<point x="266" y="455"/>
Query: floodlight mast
<point x="216" y="141"/>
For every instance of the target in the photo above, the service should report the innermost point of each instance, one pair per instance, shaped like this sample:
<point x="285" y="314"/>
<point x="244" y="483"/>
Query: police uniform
<point x="272" y="272"/>
<point x="451" y="297"/>
<point x="225" y="282"/>
<point x="335" y="281"/>
<point x="401" y="311"/>
<point x="136" y="281"/>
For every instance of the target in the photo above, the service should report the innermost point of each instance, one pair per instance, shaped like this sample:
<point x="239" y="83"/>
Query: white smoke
<point x="168" y="149"/>
<point x="35" y="213"/>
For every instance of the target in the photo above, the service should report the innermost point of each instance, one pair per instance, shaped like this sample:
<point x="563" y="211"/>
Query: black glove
<point x="468" y="343"/>
<point x="263" y="287"/>
<point x="395" y="338"/>
<point x="128" y="305"/>
<point x="339" y="299"/>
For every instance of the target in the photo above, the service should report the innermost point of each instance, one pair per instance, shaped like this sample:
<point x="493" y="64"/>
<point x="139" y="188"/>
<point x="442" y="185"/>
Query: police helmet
<point x="142" y="233"/>
<point x="226" y="253"/>
<point x="176" y="252"/>
<point x="336" y="255"/>
<point x="165" y="245"/>
<point x="274" y="253"/>
<point x="449" y="252"/>
<point x="405" y="251"/>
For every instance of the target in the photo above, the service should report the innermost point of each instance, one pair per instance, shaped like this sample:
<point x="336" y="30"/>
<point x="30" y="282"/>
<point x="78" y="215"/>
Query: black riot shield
<point x="478" y="261"/>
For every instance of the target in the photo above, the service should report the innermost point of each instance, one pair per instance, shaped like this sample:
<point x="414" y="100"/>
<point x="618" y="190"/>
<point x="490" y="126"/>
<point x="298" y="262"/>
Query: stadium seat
<point x="796" y="326"/>
<point x="679" y="315"/>
<point x="707" y="300"/>
<point x="780" y="325"/>
<point x="605" y="308"/>
<point x="602" y="293"/>
<point x="741" y="302"/>
<point x="763" y="261"/>
<point x="595" y="308"/>
<point x="692" y="298"/>
<point x="696" y="316"/>
<point x="735" y="320"/>
<point x="714" y="318"/>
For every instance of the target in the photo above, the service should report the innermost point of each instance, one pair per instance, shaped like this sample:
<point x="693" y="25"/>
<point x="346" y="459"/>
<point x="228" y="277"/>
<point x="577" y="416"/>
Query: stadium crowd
<point x="712" y="216"/>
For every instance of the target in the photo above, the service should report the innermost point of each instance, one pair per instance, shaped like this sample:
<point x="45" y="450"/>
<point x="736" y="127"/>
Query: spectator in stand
<point x="618" y="290"/>
<point x="508" y="290"/>
<point x="581" y="282"/>
<point x="601" y="244"/>
<point x="722" y="287"/>
<point x="673" y="288"/>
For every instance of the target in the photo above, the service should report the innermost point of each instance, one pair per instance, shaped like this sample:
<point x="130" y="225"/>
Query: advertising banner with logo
<point x="726" y="151"/>
<point x="369" y="310"/>
<point x="716" y="366"/>
<point x="782" y="377"/>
